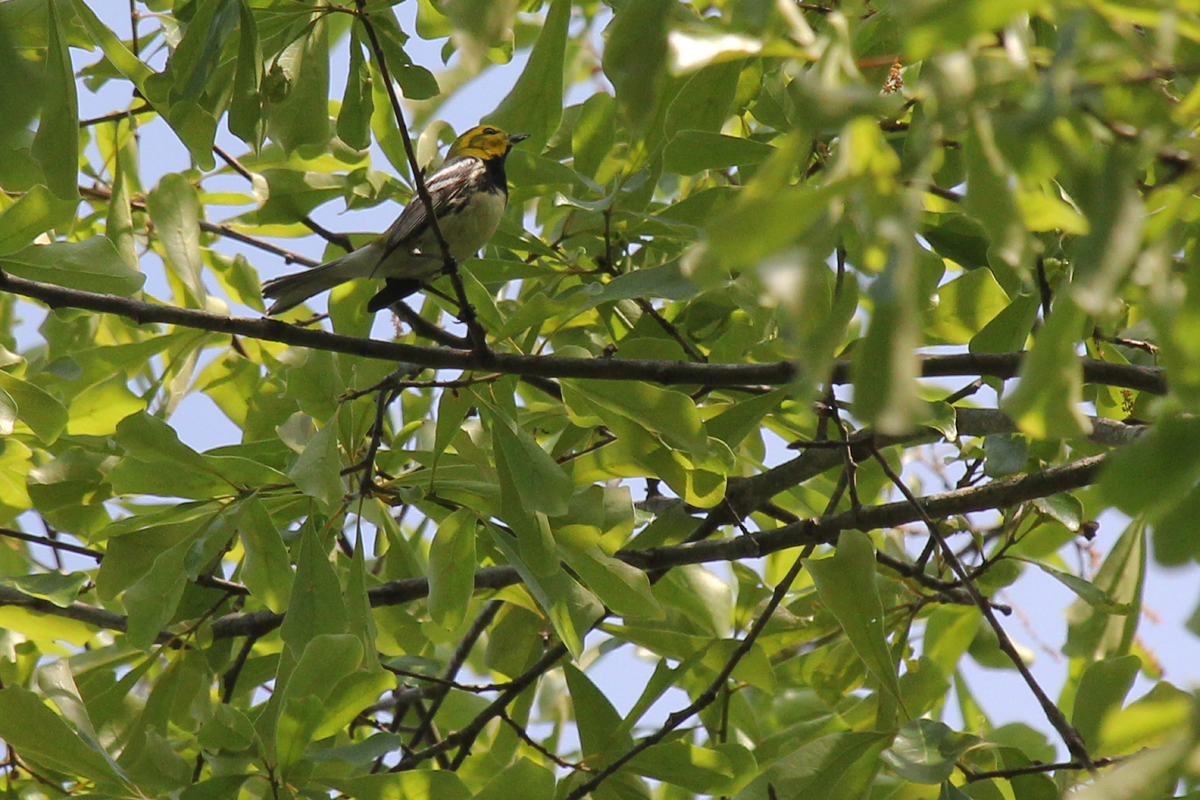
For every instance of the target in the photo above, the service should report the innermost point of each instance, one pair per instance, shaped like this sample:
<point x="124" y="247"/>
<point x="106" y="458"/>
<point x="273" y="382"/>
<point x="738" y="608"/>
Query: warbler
<point x="469" y="192"/>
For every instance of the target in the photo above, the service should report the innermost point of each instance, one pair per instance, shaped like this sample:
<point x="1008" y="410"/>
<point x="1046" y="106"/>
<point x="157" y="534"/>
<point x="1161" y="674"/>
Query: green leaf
<point x="301" y="117"/>
<point x="418" y="784"/>
<point x="326" y="660"/>
<point x="196" y="128"/>
<point x="317" y="472"/>
<point x="670" y="414"/>
<point x="1062" y="507"/>
<point x="1010" y="329"/>
<point x="175" y="210"/>
<point x="690" y="152"/>
<point x="416" y="82"/>
<point x="1102" y="688"/>
<point x="1114" y="208"/>
<point x="1046" y="401"/>
<point x="16" y="463"/>
<point x="92" y="265"/>
<point x="316" y="606"/>
<point x="946" y="24"/>
<point x="41" y="736"/>
<point x="354" y="119"/>
<point x="925" y="751"/>
<point x="360" y="753"/>
<point x="114" y="49"/>
<point x="227" y="729"/>
<point x="452" y="569"/>
<point x="948" y="633"/>
<point x="220" y="788"/>
<point x="351" y="695"/>
<point x="148" y="438"/>
<point x="622" y="588"/>
<point x="56" y="144"/>
<point x="60" y="589"/>
<point x="991" y="196"/>
<point x="523" y="778"/>
<point x="98" y="410"/>
<point x="572" y="609"/>
<point x="741" y="419"/>
<point x="1093" y="632"/>
<point x="598" y="721"/>
<point x="118" y="226"/>
<point x="534" y="105"/>
<point x="886" y="364"/>
<point x="8" y="413"/>
<point x="1004" y="454"/>
<point x="836" y="765"/>
<point x="964" y="307"/>
<point x="1157" y="471"/>
<point x="846" y="584"/>
<point x="1175" y="532"/>
<point x="635" y="56"/>
<point x="246" y="106"/>
<point x="540" y="482"/>
<point x="266" y="570"/>
<point x="697" y="769"/>
<point x="453" y="406"/>
<point x="703" y="103"/>
<point x="594" y="133"/>
<point x="769" y="214"/>
<point x="34" y="213"/>
<point x="699" y="595"/>
<point x="45" y="416"/>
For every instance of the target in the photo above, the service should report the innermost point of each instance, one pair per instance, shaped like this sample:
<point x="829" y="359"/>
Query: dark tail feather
<point x="394" y="290"/>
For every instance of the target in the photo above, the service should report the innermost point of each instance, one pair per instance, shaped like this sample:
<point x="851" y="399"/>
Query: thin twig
<point x="367" y="484"/>
<point x="115" y="115"/>
<point x="461" y="653"/>
<point x="529" y="740"/>
<point x="289" y="256"/>
<point x="1070" y="736"/>
<point x="339" y="239"/>
<point x="466" y="737"/>
<point x="449" y="684"/>
<point x="426" y="329"/>
<point x="466" y="310"/>
<point x="710" y="694"/>
<point x="54" y="543"/>
<point x="1033" y="769"/>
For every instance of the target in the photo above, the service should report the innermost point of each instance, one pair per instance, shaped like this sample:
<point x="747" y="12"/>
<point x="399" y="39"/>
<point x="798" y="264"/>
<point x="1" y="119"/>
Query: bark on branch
<point x="994" y="495"/>
<point x="994" y="365"/>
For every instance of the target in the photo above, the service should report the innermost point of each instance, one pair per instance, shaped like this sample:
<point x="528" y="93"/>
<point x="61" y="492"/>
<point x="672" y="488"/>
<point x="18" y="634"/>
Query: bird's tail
<point x="290" y="291"/>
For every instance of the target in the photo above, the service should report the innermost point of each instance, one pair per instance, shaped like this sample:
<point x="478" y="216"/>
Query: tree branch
<point x="995" y="365"/>
<point x="988" y="496"/>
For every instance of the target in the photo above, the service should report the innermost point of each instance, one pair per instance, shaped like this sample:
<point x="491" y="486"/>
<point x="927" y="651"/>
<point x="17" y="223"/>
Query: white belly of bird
<point x="472" y="227"/>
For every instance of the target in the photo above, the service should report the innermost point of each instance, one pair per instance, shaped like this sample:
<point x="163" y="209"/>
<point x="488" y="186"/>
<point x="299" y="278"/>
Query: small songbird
<point x="469" y="192"/>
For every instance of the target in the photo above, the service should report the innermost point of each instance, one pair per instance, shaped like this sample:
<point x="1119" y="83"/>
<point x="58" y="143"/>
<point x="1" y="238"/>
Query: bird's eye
<point x="490" y="131"/>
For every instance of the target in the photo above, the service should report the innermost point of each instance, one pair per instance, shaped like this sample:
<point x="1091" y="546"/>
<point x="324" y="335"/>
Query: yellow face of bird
<point x="486" y="142"/>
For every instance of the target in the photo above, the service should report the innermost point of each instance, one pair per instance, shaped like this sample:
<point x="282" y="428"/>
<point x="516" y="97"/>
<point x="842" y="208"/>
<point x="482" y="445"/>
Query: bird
<point x="469" y="192"/>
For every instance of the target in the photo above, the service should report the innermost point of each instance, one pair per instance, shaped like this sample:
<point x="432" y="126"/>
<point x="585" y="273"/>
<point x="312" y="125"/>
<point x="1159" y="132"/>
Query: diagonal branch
<point x="706" y="698"/>
<point x="823" y="530"/>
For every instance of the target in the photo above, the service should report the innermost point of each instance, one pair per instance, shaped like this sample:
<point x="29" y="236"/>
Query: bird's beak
<point x="513" y="138"/>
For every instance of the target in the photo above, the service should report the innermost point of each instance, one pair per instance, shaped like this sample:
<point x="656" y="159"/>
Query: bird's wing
<point x="448" y="187"/>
